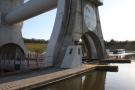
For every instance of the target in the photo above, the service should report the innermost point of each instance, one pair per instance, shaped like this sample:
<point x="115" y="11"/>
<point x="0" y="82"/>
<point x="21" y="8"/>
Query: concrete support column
<point x="29" y="9"/>
<point x="11" y="41"/>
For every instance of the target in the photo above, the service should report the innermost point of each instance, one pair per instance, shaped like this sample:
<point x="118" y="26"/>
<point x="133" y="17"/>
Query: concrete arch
<point x="98" y="45"/>
<point x="90" y="49"/>
<point x="92" y="45"/>
<point x="11" y="50"/>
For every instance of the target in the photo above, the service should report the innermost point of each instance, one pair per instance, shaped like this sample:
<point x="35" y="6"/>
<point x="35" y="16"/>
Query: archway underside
<point x="11" y="51"/>
<point x="91" y="46"/>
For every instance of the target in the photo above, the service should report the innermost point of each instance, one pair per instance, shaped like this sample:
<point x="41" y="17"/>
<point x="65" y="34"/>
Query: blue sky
<point x="39" y="27"/>
<point x="117" y="20"/>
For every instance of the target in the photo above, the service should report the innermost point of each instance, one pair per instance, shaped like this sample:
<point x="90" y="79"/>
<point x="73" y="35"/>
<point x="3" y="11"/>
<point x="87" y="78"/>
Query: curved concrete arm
<point x="29" y="9"/>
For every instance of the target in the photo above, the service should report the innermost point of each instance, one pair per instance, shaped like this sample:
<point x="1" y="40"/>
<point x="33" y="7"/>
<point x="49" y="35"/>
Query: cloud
<point x="117" y="19"/>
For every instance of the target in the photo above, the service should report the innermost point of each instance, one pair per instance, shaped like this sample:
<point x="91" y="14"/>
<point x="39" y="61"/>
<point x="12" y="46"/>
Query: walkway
<point x="37" y="78"/>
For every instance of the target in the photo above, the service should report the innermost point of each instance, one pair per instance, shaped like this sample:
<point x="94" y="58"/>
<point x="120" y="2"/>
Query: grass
<point x="36" y="47"/>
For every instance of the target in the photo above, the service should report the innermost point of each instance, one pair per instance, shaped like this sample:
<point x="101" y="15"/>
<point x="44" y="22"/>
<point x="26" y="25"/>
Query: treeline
<point x="113" y="44"/>
<point x="35" y="41"/>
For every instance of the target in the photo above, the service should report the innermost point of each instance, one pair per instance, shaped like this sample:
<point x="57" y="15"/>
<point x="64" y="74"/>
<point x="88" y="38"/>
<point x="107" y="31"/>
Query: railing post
<point x="37" y="60"/>
<point x="27" y="59"/>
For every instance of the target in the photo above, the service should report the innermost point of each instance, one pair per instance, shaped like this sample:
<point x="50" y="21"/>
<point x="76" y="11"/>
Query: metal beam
<point x="30" y="9"/>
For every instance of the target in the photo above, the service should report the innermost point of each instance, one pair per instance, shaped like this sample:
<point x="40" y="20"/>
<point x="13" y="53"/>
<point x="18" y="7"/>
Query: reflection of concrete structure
<point x="88" y="81"/>
<point x="75" y="20"/>
<point x="68" y="84"/>
<point x="95" y="81"/>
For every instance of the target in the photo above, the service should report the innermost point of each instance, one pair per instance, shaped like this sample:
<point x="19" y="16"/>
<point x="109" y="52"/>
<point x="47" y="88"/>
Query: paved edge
<point x="41" y="80"/>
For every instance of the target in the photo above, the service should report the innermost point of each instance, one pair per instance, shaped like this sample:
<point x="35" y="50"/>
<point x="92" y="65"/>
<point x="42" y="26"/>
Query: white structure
<point x="73" y="57"/>
<point x="75" y="20"/>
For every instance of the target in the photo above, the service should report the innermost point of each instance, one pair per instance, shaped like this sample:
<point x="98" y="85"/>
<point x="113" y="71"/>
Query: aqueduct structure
<point x="76" y="21"/>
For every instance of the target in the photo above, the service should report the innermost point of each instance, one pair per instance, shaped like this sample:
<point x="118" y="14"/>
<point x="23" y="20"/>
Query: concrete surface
<point x="42" y="79"/>
<point x="73" y="57"/>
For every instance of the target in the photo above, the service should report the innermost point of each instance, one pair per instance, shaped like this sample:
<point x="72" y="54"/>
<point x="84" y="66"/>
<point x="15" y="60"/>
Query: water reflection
<point x="94" y="81"/>
<point x="124" y="79"/>
<point x="89" y="81"/>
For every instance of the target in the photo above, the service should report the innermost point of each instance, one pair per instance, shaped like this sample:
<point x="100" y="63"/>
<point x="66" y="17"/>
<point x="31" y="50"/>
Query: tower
<point x="75" y="20"/>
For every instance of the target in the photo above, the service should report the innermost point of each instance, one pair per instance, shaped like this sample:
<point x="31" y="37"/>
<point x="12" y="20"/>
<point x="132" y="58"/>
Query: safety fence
<point x="13" y="64"/>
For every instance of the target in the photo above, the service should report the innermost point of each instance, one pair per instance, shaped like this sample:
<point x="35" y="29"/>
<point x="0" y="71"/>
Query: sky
<point x="117" y="21"/>
<point x="39" y="27"/>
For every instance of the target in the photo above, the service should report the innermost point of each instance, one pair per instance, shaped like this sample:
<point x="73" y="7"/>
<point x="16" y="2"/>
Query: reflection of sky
<point x="124" y="79"/>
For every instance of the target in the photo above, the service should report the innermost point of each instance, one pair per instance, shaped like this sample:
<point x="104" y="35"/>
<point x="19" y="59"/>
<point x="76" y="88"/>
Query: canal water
<point x="124" y="79"/>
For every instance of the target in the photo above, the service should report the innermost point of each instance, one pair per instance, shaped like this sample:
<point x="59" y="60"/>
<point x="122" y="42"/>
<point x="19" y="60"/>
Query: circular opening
<point x="90" y="17"/>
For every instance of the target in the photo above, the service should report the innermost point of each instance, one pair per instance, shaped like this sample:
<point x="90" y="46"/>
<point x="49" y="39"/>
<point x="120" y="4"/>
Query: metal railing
<point x="30" y="61"/>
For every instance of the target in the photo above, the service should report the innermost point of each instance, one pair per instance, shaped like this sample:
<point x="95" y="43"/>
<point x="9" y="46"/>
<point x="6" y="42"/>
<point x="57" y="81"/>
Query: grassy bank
<point x="36" y="47"/>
